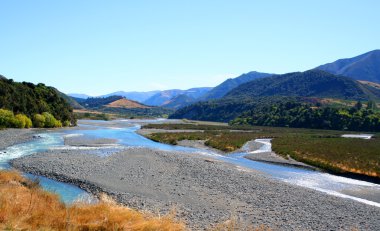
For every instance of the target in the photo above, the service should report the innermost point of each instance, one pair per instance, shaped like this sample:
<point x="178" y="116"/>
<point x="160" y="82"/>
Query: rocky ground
<point x="203" y="191"/>
<point x="9" y="137"/>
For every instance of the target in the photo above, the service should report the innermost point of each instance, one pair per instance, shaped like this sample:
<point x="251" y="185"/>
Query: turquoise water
<point x="125" y="133"/>
<point x="68" y="193"/>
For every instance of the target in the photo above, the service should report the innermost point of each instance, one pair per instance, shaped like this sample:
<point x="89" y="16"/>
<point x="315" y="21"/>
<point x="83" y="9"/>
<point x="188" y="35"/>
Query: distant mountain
<point x="313" y="83"/>
<point x="223" y="88"/>
<point x="260" y="93"/>
<point x="78" y="95"/>
<point x="133" y="95"/>
<point x="179" y="102"/>
<point x="164" y="97"/>
<point x="363" y="67"/>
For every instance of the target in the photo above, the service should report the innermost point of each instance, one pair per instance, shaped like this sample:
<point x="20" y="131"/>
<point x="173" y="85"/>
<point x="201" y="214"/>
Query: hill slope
<point x="133" y="95"/>
<point x="264" y="92"/>
<point x="179" y="101"/>
<point x="313" y="83"/>
<point x="125" y="103"/>
<point x="362" y="67"/>
<point x="163" y="97"/>
<point x="30" y="99"/>
<point x="223" y="88"/>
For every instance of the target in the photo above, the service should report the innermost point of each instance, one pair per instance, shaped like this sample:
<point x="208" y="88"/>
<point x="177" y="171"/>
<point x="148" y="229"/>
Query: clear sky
<point x="98" y="47"/>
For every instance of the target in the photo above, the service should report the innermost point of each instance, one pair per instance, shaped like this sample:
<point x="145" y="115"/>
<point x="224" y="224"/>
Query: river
<point x="125" y="132"/>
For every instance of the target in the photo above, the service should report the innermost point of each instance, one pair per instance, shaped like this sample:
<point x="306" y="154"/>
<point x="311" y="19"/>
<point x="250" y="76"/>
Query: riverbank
<point x="25" y="206"/>
<point x="203" y="191"/>
<point x="12" y="136"/>
<point x="249" y="147"/>
<point x="327" y="150"/>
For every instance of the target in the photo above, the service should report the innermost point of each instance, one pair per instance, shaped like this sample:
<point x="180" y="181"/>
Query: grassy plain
<point x="325" y="149"/>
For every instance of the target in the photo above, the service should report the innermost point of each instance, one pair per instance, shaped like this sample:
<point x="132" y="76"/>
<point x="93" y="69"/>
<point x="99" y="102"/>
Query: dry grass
<point x="25" y="206"/>
<point x="234" y="225"/>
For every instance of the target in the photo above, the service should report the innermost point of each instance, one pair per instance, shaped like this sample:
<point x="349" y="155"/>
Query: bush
<point x="57" y="124"/>
<point x="22" y="121"/>
<point x="39" y="121"/>
<point x="6" y="118"/>
<point x="66" y="123"/>
<point x="50" y="121"/>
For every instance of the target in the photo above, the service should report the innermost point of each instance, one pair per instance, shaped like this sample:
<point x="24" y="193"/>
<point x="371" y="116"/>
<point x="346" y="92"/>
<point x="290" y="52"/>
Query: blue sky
<point x="97" y="47"/>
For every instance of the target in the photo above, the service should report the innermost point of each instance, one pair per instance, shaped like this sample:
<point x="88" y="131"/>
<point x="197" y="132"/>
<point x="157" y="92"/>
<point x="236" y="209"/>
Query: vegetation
<point x="99" y="107"/>
<point x="25" y="206"/>
<point x="313" y="83"/>
<point x="97" y="102"/>
<point x="340" y="155"/>
<point x="29" y="99"/>
<point x="224" y="110"/>
<point x="44" y="120"/>
<point x="302" y="115"/>
<point x="322" y="148"/>
<point x="195" y="126"/>
<point x="223" y="88"/>
<point x="93" y="115"/>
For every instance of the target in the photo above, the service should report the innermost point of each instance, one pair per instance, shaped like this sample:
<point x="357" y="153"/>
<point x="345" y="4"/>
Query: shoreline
<point x="249" y="147"/>
<point x="203" y="191"/>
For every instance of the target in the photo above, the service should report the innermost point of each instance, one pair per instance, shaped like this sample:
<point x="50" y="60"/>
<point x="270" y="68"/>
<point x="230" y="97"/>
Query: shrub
<point x="6" y="118"/>
<point x="50" y="121"/>
<point x="39" y="121"/>
<point x="19" y="121"/>
<point x="57" y="124"/>
<point x="66" y="123"/>
<point x="22" y="121"/>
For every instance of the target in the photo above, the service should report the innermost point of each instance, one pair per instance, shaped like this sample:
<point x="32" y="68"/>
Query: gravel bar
<point x="203" y="191"/>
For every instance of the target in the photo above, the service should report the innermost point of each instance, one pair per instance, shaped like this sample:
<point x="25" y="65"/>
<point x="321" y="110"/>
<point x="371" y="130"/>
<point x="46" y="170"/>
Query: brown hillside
<point x="372" y="84"/>
<point x="126" y="103"/>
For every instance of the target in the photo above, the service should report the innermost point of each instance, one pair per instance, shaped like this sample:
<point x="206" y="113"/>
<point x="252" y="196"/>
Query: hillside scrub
<point x="25" y="206"/>
<point x="29" y="99"/>
<point x="303" y="115"/>
<point x="44" y="120"/>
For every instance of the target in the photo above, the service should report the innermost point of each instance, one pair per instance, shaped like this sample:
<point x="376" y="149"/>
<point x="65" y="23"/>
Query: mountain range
<point x="307" y="86"/>
<point x="363" y="67"/>
<point x="223" y="88"/>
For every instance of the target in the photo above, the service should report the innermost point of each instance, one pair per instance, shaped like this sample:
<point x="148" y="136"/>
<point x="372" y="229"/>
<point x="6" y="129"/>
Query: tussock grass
<point x="25" y="206"/>
<point x="321" y="148"/>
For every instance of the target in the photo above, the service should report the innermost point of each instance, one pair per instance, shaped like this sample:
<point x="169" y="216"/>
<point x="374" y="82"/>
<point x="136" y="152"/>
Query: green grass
<point x="339" y="155"/>
<point x="322" y="148"/>
<point x="195" y="126"/>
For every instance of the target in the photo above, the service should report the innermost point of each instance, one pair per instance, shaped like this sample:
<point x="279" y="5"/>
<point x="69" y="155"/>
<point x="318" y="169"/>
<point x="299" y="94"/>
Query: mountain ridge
<point x="362" y="67"/>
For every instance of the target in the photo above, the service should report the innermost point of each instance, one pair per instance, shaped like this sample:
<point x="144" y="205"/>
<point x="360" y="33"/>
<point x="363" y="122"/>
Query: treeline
<point x="96" y="102"/>
<point x="30" y="99"/>
<point x="226" y="109"/>
<point x="304" y="115"/>
<point x="45" y="120"/>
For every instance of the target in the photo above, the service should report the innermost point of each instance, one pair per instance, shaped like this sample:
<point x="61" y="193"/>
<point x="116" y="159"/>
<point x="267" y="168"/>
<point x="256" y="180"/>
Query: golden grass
<point x="25" y="206"/>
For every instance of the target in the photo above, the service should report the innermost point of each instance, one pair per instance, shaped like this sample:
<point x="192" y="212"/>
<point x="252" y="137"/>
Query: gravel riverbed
<point x="203" y="191"/>
<point x="9" y="137"/>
